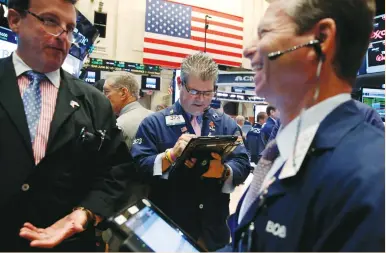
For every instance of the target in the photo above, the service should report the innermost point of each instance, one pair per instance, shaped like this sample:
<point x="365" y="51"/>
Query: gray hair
<point x="200" y="65"/>
<point x="354" y="24"/>
<point x="240" y="118"/>
<point x="120" y="79"/>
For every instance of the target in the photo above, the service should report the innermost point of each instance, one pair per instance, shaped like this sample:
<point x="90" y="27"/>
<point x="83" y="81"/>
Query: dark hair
<point x="269" y="109"/>
<point x="261" y="116"/>
<point x="24" y="4"/>
<point x="354" y="23"/>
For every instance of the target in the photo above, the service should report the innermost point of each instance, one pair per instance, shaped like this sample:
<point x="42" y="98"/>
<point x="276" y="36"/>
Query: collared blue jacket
<point x="197" y="205"/>
<point x="336" y="202"/>
<point x="255" y="143"/>
<point x="267" y="128"/>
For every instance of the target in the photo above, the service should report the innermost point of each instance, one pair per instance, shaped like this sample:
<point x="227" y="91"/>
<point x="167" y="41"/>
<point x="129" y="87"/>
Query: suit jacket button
<point x="25" y="187"/>
<point x="201" y="206"/>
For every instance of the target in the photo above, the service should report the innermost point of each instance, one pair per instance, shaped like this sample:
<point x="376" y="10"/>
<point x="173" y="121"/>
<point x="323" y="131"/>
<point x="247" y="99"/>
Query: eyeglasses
<point x="198" y="93"/>
<point x="53" y="28"/>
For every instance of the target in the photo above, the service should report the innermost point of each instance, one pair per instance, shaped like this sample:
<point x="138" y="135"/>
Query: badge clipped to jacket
<point x="174" y="120"/>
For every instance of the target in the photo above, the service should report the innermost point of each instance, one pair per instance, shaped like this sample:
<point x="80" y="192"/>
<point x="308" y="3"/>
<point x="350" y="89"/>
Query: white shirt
<point x="286" y="136"/>
<point x="21" y="67"/>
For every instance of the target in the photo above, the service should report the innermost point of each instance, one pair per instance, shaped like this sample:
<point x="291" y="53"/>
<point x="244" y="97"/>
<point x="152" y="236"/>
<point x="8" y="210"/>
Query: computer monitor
<point x="376" y="99"/>
<point x="374" y="61"/>
<point x="8" y="42"/>
<point x="85" y="34"/>
<point x="150" y="83"/>
<point x="375" y="57"/>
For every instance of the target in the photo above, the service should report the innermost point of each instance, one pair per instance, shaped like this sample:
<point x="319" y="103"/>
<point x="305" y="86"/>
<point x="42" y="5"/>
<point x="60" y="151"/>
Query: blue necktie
<point x="32" y="100"/>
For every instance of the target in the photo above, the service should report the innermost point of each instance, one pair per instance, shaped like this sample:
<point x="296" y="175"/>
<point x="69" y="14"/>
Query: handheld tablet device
<point x="204" y="145"/>
<point x="144" y="228"/>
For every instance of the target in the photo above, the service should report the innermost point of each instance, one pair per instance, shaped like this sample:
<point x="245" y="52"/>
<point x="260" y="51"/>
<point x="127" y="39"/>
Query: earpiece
<point x="321" y="37"/>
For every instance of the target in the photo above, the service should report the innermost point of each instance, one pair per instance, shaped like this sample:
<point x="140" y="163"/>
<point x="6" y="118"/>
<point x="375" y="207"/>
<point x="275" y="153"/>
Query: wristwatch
<point x="91" y="218"/>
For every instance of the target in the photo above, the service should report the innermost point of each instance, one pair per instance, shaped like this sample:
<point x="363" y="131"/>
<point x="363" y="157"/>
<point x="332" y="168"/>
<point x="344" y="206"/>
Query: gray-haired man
<point x="122" y="89"/>
<point x="325" y="184"/>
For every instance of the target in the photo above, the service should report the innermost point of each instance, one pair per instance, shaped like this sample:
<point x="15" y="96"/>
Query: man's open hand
<point x="56" y="233"/>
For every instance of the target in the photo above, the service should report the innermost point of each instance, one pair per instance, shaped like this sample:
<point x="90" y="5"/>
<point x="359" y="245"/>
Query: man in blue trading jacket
<point x="324" y="182"/>
<point x="272" y="121"/>
<point x="254" y="142"/>
<point x="197" y="203"/>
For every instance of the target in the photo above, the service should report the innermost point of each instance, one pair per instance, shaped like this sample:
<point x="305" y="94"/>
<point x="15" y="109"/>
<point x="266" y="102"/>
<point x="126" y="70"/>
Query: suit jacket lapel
<point x="67" y="103"/>
<point x="12" y="103"/>
<point x="276" y="189"/>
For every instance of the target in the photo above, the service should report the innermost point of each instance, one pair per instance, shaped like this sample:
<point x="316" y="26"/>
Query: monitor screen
<point x="150" y="83"/>
<point x="375" y="59"/>
<point x="92" y="76"/>
<point x="85" y="34"/>
<point x="376" y="99"/>
<point x="375" y="56"/>
<point x="8" y="42"/>
<point x="151" y="229"/>
<point x="379" y="29"/>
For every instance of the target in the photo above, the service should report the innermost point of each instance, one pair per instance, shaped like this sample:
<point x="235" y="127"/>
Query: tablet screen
<point x="156" y="234"/>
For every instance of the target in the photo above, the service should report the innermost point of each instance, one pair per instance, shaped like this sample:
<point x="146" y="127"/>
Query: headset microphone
<point x="313" y="43"/>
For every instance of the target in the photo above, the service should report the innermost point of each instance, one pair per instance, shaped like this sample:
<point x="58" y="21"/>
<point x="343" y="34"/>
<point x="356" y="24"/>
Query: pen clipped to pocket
<point x="92" y="141"/>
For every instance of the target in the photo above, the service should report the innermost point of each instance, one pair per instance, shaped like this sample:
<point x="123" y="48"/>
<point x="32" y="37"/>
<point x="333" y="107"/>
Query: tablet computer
<point x="145" y="228"/>
<point x="204" y="145"/>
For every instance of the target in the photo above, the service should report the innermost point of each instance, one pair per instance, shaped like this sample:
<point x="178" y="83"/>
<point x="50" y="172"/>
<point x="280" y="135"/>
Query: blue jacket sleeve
<point x="354" y="219"/>
<point x="144" y="149"/>
<point x="238" y="160"/>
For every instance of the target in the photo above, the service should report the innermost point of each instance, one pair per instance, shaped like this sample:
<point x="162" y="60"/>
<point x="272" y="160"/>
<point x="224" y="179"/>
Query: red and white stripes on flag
<point x="174" y="31"/>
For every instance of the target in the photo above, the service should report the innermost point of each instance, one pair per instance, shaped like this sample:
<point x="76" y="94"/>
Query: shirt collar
<point x="21" y="67"/>
<point x="314" y="115"/>
<point x="129" y="107"/>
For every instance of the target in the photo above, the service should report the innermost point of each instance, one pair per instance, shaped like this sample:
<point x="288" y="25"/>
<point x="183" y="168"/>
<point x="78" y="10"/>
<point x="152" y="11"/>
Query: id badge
<point x="175" y="120"/>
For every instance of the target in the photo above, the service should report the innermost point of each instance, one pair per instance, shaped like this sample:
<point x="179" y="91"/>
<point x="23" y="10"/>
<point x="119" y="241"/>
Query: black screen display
<point x="376" y="57"/>
<point x="85" y="35"/>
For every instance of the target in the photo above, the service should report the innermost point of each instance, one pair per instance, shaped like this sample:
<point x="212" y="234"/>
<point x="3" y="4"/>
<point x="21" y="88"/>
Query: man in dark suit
<point x="272" y="121"/>
<point x="320" y="185"/>
<point x="254" y="141"/>
<point x="60" y="147"/>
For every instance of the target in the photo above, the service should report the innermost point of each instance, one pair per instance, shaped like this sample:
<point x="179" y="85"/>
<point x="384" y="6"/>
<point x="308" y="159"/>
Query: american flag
<point x="173" y="31"/>
<point x="170" y="88"/>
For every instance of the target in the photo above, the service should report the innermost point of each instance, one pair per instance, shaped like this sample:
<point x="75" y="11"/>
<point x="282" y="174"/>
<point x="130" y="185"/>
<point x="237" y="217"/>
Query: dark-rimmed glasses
<point x="198" y="93"/>
<point x="53" y="28"/>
